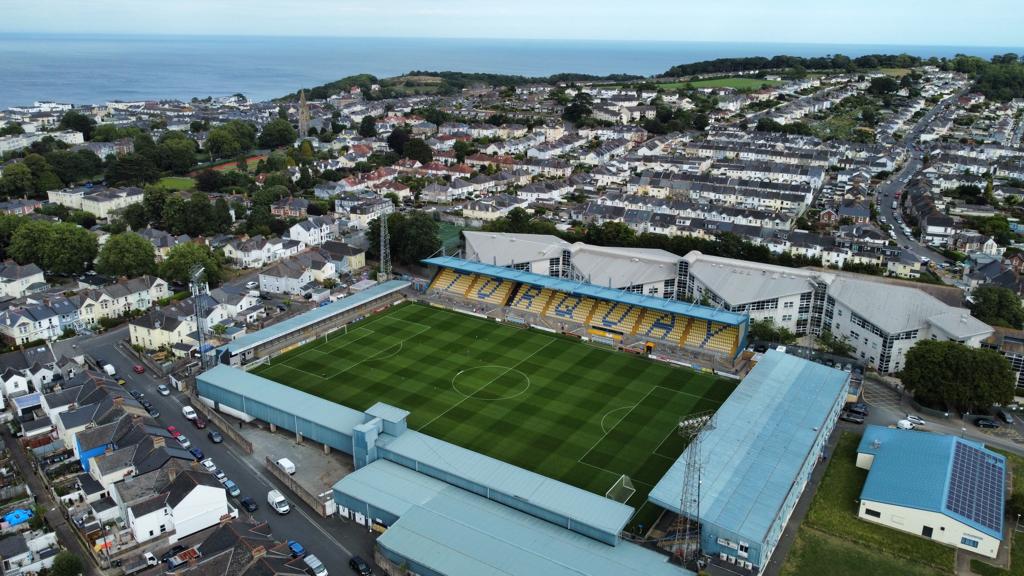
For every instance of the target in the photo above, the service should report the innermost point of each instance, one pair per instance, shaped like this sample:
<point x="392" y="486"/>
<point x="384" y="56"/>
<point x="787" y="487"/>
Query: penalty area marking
<point x="612" y="411"/>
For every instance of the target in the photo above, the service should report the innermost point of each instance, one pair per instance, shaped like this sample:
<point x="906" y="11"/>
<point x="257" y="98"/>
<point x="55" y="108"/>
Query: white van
<point x="277" y="502"/>
<point x="286" y="466"/>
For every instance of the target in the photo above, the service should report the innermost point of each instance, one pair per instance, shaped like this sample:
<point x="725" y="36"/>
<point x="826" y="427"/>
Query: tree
<point x="221" y="143"/>
<point x="951" y="376"/>
<point x="17" y="181"/>
<point x="835" y="345"/>
<point x="11" y="129"/>
<point x="133" y="169"/>
<point x="997" y="306"/>
<point x="73" y="167"/>
<point x="414" y="236"/>
<point x="178" y="264"/>
<point x="9" y="224"/>
<point x="463" y="149"/>
<point x="134" y="216"/>
<point x="579" y="108"/>
<point x="277" y="132"/>
<point x="883" y="85"/>
<point x="66" y="564"/>
<point x="419" y="150"/>
<point x="126" y="254"/>
<point x="75" y="120"/>
<point x="766" y="331"/>
<point x="368" y="126"/>
<point x="60" y="248"/>
<point x="176" y="155"/>
<point x="397" y="140"/>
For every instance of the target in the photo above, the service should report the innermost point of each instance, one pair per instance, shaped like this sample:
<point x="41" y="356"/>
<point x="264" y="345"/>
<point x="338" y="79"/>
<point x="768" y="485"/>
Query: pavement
<point x="334" y="540"/>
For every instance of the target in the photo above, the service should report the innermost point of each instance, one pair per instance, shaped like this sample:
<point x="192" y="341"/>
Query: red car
<point x="174" y="431"/>
<point x="199" y="422"/>
<point x="138" y="368"/>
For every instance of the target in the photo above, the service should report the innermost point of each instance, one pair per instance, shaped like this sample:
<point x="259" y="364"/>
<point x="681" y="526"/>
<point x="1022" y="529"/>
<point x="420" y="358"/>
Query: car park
<point x="359" y="566"/>
<point x="196" y="452"/>
<point x="915" y="420"/>
<point x="215" y="436"/>
<point x="183" y="441"/>
<point x="249" y="504"/>
<point x="985" y="422"/>
<point x="163" y="390"/>
<point x="295" y="548"/>
<point x="189" y="412"/>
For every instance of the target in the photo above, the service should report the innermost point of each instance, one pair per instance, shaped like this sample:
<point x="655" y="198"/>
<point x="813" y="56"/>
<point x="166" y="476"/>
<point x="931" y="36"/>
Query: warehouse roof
<point x="536" y="490"/>
<point x="507" y="249"/>
<point x="455" y="532"/>
<point x="590" y="290"/>
<point x="251" y="387"/>
<point x="950" y="475"/>
<point x="763" y="435"/>
<point x="740" y="282"/>
<point x="313" y="316"/>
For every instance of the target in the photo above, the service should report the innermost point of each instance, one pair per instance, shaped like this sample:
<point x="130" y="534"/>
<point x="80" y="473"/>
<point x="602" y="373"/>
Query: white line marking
<point x="509" y="369"/>
<point x="599" y="440"/>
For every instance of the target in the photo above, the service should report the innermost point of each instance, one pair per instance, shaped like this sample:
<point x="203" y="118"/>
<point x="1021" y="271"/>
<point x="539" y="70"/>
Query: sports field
<point x="571" y="411"/>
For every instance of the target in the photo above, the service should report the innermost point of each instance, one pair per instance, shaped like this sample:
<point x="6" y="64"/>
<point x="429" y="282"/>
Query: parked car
<point x="232" y="488"/>
<point x="858" y="408"/>
<point x="209" y="465"/>
<point x="189" y="412"/>
<point x="163" y="390"/>
<point x="183" y="441"/>
<point x="904" y="424"/>
<point x="1003" y="414"/>
<point x="138" y="368"/>
<point x="360" y="567"/>
<point x="249" y="504"/>
<point x="985" y="422"/>
<point x="121" y="381"/>
<point x="153" y="412"/>
<point x="916" y="420"/>
<point x="199" y="422"/>
<point x="252" y="284"/>
<point x="295" y="548"/>
<point x="177" y="549"/>
<point x="214" y="436"/>
<point x="219" y="475"/>
<point x="851" y="417"/>
<point x="136" y="394"/>
<point x="196" y="452"/>
<point x="173" y="431"/>
<point x="315" y="565"/>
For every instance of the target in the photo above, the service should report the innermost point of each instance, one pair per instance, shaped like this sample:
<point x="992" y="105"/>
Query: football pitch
<point x="575" y="412"/>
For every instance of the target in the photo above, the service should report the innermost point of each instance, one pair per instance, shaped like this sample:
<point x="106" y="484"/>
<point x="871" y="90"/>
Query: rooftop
<point x="763" y="435"/>
<point x="590" y="290"/>
<point x="952" y="476"/>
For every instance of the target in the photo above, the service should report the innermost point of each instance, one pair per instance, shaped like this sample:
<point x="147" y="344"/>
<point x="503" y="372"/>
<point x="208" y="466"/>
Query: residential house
<point x="16" y="280"/>
<point x="347" y="259"/>
<point x="290" y="207"/>
<point x="242" y="305"/>
<point x="164" y="327"/>
<point x="297" y="275"/>
<point x="313" y="231"/>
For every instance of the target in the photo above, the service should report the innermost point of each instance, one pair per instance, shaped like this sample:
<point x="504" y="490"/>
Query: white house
<point x="936" y="486"/>
<point x="313" y="231"/>
<point x="297" y="275"/>
<point x="191" y="501"/>
<point x="17" y="280"/>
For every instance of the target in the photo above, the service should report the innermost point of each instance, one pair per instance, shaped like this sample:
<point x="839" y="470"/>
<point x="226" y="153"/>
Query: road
<point x="333" y="540"/>
<point x="885" y="193"/>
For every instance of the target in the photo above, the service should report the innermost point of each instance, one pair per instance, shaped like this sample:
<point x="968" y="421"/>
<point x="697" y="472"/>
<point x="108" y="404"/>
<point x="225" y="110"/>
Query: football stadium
<point x="505" y="421"/>
<point x="554" y="405"/>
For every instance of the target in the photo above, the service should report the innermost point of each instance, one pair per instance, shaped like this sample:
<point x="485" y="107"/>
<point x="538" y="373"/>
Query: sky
<point x="899" y="22"/>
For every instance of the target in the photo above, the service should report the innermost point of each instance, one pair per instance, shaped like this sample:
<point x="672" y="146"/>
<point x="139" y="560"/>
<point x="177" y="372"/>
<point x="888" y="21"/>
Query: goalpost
<point x="622" y="490"/>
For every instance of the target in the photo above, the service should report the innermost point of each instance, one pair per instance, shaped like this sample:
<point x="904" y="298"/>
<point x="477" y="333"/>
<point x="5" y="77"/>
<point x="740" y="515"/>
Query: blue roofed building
<point x="436" y="528"/>
<point x="936" y="486"/>
<point x="757" y="458"/>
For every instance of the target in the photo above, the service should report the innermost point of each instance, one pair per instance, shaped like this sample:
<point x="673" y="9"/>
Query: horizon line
<point x="520" y="39"/>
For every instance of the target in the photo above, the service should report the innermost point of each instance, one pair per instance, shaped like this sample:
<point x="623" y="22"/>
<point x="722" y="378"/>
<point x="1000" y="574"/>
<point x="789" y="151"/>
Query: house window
<point x="926" y="531"/>
<point x="872" y="513"/>
<point x="163" y="528"/>
<point x="969" y="542"/>
<point x="151" y="533"/>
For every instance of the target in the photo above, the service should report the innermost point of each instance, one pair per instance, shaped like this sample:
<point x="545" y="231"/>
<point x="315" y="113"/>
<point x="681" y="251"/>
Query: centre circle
<point x="491" y="382"/>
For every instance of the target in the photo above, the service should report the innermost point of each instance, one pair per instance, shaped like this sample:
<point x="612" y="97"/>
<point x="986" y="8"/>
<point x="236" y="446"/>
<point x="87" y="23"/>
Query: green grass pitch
<point x="574" y="412"/>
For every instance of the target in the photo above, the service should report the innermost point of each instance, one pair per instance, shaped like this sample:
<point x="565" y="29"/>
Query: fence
<point x="313" y="501"/>
<point x="226" y="427"/>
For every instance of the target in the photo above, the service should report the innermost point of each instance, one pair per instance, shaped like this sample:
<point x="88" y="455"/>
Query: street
<point x="333" y="540"/>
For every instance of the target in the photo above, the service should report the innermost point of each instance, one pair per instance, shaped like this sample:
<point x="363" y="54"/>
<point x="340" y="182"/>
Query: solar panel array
<point x="976" y="486"/>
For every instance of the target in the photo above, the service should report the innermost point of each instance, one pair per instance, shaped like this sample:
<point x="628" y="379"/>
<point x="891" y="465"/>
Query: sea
<point x="86" y="69"/>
